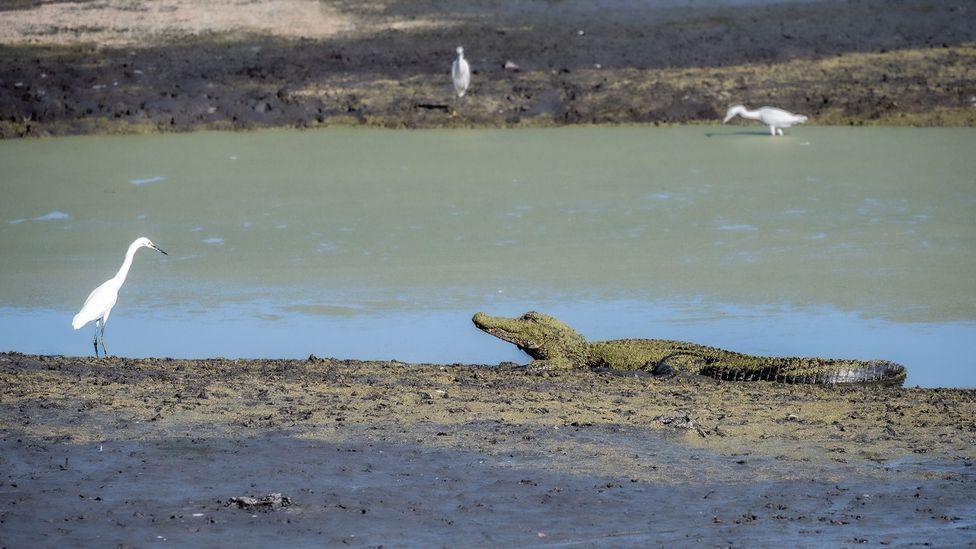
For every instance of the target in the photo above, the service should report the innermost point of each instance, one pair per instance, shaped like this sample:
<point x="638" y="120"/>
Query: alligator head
<point x="539" y="335"/>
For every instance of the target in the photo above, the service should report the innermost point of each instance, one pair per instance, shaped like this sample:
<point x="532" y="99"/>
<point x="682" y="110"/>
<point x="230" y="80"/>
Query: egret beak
<point x="728" y="117"/>
<point x="153" y="246"/>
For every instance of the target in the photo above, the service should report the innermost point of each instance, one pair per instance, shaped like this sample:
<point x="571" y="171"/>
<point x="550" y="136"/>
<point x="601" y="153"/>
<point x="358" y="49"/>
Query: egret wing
<point x="101" y="299"/>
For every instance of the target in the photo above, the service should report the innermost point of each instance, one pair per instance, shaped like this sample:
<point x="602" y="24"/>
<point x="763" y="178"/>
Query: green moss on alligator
<point x="554" y="345"/>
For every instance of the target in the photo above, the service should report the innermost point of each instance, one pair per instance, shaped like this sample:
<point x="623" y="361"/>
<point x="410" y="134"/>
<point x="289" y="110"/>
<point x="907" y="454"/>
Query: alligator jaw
<point x="540" y="336"/>
<point x="506" y="329"/>
<point x="494" y="326"/>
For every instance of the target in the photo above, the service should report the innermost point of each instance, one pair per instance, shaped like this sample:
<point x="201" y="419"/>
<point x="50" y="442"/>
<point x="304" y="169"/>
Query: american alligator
<point x="554" y="345"/>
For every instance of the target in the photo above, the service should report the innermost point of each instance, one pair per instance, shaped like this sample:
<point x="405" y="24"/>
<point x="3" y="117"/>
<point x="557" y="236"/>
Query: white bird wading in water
<point x="461" y="76"/>
<point x="776" y="119"/>
<point x="100" y="302"/>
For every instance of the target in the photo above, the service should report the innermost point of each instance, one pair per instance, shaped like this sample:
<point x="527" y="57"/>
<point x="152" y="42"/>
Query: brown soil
<point x="480" y="454"/>
<point x="174" y="65"/>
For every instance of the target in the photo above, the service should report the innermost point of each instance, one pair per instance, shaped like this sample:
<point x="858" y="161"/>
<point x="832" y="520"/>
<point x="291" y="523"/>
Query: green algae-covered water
<point x="848" y="242"/>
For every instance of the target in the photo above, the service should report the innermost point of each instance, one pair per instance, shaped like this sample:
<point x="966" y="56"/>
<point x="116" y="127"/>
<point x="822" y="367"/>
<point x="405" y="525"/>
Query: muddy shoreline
<point x="133" y="452"/>
<point x="136" y="67"/>
<point x="479" y="455"/>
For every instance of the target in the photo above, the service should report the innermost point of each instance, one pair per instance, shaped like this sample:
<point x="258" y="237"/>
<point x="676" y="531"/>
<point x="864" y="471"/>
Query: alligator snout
<point x="481" y="320"/>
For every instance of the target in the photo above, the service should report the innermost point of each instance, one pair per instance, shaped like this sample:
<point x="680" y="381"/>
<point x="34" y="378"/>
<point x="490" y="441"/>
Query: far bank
<point x="150" y="67"/>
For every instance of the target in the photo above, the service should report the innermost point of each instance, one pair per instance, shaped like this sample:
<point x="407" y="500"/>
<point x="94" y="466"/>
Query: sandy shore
<point x="383" y="453"/>
<point x="175" y="65"/>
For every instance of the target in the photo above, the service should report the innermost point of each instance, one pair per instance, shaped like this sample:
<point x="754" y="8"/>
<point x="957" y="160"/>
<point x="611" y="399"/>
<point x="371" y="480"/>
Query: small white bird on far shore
<point x="461" y="76"/>
<point x="776" y="119"/>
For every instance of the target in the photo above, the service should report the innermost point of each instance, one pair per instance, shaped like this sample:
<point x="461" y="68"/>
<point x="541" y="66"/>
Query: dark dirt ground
<point x="122" y="451"/>
<point x="172" y="65"/>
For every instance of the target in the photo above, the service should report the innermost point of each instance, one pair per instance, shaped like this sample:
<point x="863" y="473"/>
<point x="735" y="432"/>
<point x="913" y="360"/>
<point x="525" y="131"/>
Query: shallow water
<point x="382" y="244"/>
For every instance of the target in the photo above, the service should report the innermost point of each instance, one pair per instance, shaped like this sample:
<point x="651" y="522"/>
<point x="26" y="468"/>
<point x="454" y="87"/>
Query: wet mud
<point x="130" y="67"/>
<point x="120" y="451"/>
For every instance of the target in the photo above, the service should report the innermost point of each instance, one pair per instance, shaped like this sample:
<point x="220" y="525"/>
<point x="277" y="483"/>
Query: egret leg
<point x="95" y="339"/>
<point x="102" y="339"/>
<point x="772" y="131"/>
<point x="779" y="131"/>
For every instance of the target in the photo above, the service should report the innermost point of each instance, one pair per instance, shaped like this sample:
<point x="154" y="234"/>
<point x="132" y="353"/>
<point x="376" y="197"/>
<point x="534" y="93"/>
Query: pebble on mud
<point x="269" y="502"/>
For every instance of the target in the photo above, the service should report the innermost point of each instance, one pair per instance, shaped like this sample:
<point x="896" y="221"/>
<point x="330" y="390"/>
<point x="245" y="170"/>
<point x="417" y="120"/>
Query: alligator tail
<point x="874" y="371"/>
<point x="881" y="372"/>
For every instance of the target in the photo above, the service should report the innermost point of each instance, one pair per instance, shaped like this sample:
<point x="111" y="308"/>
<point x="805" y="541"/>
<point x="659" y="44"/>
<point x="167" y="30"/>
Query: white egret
<point x="776" y="119"/>
<point x="100" y="302"/>
<point x="461" y="75"/>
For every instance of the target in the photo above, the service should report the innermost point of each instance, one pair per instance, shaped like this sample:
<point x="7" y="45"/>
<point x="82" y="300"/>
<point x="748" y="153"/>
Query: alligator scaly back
<point x="554" y="345"/>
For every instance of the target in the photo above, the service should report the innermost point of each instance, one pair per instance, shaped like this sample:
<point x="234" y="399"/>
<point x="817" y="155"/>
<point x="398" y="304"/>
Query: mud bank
<point x="177" y="490"/>
<point x="380" y="453"/>
<point x="136" y="66"/>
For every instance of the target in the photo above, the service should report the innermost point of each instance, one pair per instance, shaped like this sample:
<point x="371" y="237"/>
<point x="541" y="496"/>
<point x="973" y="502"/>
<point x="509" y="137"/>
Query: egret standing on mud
<point x="461" y="75"/>
<point x="100" y="302"/>
<point x="776" y="119"/>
